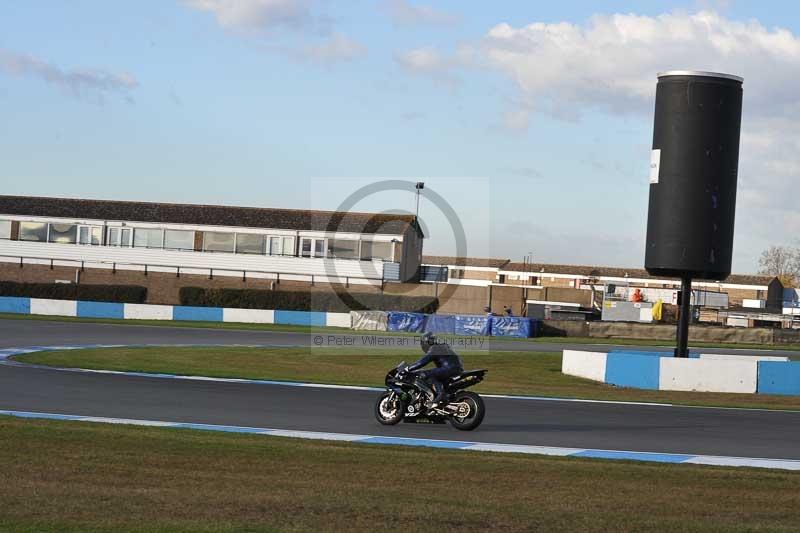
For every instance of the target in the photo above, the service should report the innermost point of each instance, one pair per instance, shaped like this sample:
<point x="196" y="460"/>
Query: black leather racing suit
<point x="447" y="362"/>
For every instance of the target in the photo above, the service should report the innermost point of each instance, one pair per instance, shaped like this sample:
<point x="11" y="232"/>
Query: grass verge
<point x="71" y="476"/>
<point x="524" y="373"/>
<point x="317" y="329"/>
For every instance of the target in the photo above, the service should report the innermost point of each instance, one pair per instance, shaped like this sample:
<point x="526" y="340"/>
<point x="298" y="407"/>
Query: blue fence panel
<point x="200" y="314"/>
<point x="14" y="304"/>
<point x="511" y="326"/>
<point x="633" y="370"/>
<point x="414" y="322"/>
<point x="440" y="324"/>
<point x="777" y="377"/>
<point x="101" y="310"/>
<point x="301" y="318"/>
<point x="472" y="325"/>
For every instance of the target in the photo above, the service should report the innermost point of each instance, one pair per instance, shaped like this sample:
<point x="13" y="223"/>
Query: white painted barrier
<point x="40" y="306"/>
<point x="708" y="375"/>
<point x="248" y="316"/>
<point x="589" y="365"/>
<point x="148" y="312"/>
<point x="338" y="320"/>
<point x="732" y="357"/>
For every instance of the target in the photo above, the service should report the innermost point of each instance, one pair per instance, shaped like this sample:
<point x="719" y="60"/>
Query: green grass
<point x="524" y="373"/>
<point x="72" y="476"/>
<point x="317" y="329"/>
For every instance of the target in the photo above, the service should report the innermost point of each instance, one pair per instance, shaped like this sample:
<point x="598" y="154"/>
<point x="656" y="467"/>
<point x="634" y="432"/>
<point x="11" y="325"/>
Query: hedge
<point x="129" y="294"/>
<point x="335" y="302"/>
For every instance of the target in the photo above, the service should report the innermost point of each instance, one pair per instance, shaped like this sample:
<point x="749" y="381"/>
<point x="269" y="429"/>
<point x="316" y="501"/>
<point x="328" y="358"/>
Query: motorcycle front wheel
<point x="388" y="409"/>
<point x="471" y="411"/>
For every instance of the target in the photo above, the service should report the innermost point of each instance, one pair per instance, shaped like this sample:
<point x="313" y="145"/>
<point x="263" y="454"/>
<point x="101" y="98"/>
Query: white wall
<point x="148" y="312"/>
<point x="732" y="357"/>
<point x="251" y="316"/>
<point x="708" y="375"/>
<point x="54" y="307"/>
<point x="339" y="320"/>
<point x="589" y="365"/>
<point x="222" y="263"/>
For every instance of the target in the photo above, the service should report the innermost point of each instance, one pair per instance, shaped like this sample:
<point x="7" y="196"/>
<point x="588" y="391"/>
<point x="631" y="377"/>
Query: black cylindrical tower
<point x="693" y="171"/>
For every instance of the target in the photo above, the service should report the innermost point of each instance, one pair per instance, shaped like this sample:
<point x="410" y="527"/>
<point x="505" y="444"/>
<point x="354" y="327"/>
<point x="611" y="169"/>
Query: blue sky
<point x="539" y="147"/>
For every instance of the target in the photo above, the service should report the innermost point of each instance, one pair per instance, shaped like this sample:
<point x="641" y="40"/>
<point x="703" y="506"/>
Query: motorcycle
<point x="407" y="394"/>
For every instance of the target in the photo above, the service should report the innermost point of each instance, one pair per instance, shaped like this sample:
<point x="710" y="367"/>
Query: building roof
<point x="213" y="215"/>
<point x="464" y="261"/>
<point x="618" y="272"/>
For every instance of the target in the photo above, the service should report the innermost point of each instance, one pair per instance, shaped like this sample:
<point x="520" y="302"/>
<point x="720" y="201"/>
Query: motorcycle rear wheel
<point x="477" y="410"/>
<point x="386" y="413"/>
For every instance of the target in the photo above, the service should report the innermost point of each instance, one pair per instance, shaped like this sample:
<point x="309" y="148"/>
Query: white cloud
<point x="610" y="64"/>
<point x="336" y="49"/>
<point x="404" y="13"/>
<point x="258" y="15"/>
<point x="85" y="83"/>
<point x="427" y="61"/>
<point x="289" y="27"/>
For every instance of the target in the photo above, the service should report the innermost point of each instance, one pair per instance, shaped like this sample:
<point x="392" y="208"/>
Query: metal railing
<point x="145" y="267"/>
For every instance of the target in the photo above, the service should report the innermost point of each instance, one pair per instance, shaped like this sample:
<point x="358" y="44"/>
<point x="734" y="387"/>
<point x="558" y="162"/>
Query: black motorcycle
<point x="407" y="395"/>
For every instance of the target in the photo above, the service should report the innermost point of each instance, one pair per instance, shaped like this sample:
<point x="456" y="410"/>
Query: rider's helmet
<point x="426" y="341"/>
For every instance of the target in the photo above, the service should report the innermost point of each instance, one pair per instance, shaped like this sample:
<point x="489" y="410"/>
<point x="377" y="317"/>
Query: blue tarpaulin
<point x="445" y="324"/>
<point x="472" y="325"/>
<point x="500" y="326"/>
<point x="414" y="322"/>
<point x="513" y="326"/>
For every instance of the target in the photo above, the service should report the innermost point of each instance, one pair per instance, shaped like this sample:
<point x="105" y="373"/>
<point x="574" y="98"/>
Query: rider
<point x="447" y="362"/>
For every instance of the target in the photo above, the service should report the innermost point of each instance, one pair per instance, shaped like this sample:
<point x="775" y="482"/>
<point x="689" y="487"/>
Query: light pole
<point x="419" y="186"/>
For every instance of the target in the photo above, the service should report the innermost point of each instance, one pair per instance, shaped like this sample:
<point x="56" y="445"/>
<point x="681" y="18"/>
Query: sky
<point x="531" y="121"/>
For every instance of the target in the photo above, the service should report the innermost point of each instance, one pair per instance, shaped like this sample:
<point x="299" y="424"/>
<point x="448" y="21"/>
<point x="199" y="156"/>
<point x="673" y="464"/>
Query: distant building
<point x="486" y="272"/>
<point x="208" y="240"/>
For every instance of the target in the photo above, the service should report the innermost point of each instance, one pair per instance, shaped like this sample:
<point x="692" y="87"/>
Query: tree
<point x="782" y="262"/>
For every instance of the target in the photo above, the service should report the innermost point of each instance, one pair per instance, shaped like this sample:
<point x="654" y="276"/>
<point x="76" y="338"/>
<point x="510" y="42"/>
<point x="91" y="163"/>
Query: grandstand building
<point x="58" y="239"/>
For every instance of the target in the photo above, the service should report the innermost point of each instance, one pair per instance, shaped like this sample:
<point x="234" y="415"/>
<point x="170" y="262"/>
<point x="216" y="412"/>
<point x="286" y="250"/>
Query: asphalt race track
<point x="611" y="426"/>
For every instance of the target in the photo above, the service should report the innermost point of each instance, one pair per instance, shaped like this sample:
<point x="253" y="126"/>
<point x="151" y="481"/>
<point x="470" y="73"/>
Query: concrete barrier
<point x="13" y="304"/>
<point x="633" y="370"/>
<point x="202" y="314"/>
<point x="733" y="357"/>
<point x="589" y="365"/>
<point x="148" y="312"/>
<point x="779" y="378"/>
<point x="41" y="306"/>
<point x="248" y="316"/>
<point x="100" y="310"/>
<point x="729" y="373"/>
<point x="301" y="318"/>
<point x="337" y="320"/>
<point x="708" y="375"/>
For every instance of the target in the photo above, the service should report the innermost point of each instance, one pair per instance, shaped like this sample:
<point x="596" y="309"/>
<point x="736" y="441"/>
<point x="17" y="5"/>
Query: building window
<point x="218" y="242"/>
<point x="312" y="247"/>
<point x="282" y="246"/>
<point x="342" y="249"/>
<point x="119" y="237"/>
<point x="247" y="243"/>
<point x="288" y="246"/>
<point x="33" y="231"/>
<point x="5" y="229"/>
<point x="148" y="238"/>
<point x="63" y="233"/>
<point x="91" y="235"/>
<point x="178" y="239"/>
<point x="376" y="250"/>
